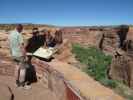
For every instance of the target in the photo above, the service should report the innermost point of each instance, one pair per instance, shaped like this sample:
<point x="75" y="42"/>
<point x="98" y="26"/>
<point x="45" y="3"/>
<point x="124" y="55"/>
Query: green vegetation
<point x="97" y="64"/>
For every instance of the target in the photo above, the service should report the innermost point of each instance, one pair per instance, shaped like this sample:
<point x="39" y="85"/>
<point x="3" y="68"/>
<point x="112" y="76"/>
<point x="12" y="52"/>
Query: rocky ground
<point x="108" y="40"/>
<point x="39" y="91"/>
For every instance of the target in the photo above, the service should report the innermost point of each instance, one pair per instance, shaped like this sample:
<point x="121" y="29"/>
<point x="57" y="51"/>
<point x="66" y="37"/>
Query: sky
<point x="67" y="12"/>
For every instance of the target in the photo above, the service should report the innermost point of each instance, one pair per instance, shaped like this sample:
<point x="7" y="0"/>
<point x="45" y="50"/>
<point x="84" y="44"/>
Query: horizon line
<point x="26" y="23"/>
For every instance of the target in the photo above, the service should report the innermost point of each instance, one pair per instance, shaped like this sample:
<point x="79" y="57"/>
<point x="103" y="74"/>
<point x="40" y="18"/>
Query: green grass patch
<point x="97" y="64"/>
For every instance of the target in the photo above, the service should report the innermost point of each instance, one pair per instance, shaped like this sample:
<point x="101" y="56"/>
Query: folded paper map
<point x="45" y="53"/>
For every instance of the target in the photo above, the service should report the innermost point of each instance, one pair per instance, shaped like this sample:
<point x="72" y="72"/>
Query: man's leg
<point x="17" y="74"/>
<point x="17" y="70"/>
<point x="22" y="75"/>
<point x="21" y="72"/>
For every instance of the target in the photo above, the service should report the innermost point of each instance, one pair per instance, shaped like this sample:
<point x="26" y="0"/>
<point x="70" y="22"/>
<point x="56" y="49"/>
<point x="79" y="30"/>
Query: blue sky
<point x="67" y="12"/>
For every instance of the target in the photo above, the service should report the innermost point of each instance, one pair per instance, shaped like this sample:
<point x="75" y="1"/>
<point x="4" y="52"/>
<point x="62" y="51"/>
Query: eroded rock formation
<point x="121" y="68"/>
<point x="107" y="39"/>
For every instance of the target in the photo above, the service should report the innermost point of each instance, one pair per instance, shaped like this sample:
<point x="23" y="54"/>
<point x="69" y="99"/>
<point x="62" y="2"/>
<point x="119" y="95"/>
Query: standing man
<point x="18" y="54"/>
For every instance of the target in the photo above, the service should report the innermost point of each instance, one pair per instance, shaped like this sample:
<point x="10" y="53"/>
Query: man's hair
<point x="35" y="31"/>
<point x="19" y="26"/>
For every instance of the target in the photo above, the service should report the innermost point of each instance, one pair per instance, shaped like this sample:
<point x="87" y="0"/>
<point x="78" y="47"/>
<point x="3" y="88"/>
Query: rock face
<point x="84" y="37"/>
<point x="64" y="52"/>
<point x="128" y="44"/>
<point x="113" y="38"/>
<point x="109" y="42"/>
<point x="4" y="44"/>
<point x="122" y="33"/>
<point x="121" y="69"/>
<point x="6" y="67"/>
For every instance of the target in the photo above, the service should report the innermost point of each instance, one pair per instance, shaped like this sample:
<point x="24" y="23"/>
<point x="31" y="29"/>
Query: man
<point x="18" y="54"/>
<point x="35" y="42"/>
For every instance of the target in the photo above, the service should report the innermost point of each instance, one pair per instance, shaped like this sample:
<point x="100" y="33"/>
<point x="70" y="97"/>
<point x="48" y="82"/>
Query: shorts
<point x="20" y="61"/>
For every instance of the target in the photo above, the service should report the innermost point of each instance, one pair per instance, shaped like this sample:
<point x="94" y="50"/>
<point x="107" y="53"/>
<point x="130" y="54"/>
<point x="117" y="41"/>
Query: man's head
<point x="19" y="28"/>
<point x="35" y="31"/>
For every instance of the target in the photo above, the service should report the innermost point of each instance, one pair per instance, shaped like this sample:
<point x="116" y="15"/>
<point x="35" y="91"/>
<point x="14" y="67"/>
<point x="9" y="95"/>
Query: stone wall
<point x="55" y="81"/>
